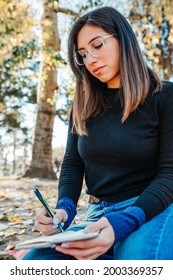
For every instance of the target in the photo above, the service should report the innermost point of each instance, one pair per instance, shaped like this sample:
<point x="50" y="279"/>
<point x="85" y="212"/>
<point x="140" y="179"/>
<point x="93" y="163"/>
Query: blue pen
<point x="46" y="206"/>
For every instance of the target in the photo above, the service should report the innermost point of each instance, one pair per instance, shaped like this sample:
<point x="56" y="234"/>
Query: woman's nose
<point x="90" y="59"/>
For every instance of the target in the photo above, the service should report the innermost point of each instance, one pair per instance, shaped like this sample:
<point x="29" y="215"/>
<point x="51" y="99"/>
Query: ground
<point x="19" y="206"/>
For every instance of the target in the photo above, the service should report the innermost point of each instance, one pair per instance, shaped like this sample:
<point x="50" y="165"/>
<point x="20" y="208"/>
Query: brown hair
<point x="136" y="76"/>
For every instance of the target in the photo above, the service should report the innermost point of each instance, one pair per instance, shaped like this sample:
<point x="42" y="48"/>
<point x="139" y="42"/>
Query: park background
<point x="36" y="91"/>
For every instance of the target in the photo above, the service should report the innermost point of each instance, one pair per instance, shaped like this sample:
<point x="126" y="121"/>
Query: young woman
<point x="120" y="140"/>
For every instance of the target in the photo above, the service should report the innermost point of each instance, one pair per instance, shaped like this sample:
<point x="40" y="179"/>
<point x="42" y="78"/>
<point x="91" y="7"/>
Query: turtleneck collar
<point x="113" y="94"/>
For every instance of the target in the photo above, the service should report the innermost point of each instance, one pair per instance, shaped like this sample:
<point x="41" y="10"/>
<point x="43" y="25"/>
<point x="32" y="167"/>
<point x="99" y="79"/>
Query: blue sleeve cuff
<point x="126" y="222"/>
<point x="68" y="205"/>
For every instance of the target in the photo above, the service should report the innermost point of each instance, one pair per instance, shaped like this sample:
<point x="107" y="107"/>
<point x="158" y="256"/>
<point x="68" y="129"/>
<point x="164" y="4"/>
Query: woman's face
<point x="105" y="66"/>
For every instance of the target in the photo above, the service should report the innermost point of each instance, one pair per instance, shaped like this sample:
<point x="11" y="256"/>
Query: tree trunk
<point x="41" y="164"/>
<point x="14" y="151"/>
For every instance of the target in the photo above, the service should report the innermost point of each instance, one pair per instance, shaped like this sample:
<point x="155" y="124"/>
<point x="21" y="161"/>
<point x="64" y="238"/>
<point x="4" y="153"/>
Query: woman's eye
<point x="82" y="54"/>
<point x="97" y="44"/>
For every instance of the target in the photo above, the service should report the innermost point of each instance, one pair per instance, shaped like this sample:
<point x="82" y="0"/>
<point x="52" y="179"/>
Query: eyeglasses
<point x="95" y="49"/>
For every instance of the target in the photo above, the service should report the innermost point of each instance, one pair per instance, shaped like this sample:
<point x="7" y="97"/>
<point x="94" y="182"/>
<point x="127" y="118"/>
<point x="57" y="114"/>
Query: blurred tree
<point x="153" y="24"/>
<point x="42" y="164"/>
<point x="15" y="26"/>
<point x="17" y="73"/>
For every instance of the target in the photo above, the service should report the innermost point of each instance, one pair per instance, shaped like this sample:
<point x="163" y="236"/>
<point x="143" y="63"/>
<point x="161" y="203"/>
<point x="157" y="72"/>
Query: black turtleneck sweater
<point x="120" y="161"/>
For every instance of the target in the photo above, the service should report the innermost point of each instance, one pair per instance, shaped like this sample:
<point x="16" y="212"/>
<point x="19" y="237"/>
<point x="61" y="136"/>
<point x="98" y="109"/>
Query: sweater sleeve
<point x="72" y="171"/>
<point x="158" y="195"/>
<point x="68" y="205"/>
<point x="126" y="222"/>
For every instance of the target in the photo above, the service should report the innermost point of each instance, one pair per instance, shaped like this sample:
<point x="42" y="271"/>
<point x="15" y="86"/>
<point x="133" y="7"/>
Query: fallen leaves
<point x="16" y="219"/>
<point x="13" y="231"/>
<point x="10" y="246"/>
<point x="3" y="217"/>
<point x="19" y="207"/>
<point x="3" y="227"/>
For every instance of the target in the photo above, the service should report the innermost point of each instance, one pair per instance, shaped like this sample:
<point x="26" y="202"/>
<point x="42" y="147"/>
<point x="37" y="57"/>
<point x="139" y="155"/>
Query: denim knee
<point x="153" y="241"/>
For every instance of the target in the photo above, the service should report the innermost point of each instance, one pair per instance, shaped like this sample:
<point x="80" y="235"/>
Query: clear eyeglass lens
<point x="79" y="58"/>
<point x="95" y="48"/>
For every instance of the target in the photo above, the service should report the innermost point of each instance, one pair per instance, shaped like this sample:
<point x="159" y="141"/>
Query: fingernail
<point x="54" y="227"/>
<point x="64" y="245"/>
<point x="56" y="221"/>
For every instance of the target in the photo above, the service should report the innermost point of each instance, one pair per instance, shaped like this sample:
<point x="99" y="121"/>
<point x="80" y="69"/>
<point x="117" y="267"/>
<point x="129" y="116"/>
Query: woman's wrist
<point x="127" y="221"/>
<point x="69" y="207"/>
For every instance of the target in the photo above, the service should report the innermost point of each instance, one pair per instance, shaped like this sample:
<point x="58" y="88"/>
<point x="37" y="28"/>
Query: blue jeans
<point x="152" y="241"/>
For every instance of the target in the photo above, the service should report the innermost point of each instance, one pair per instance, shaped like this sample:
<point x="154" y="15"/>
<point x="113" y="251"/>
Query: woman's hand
<point x="47" y="225"/>
<point x="91" y="248"/>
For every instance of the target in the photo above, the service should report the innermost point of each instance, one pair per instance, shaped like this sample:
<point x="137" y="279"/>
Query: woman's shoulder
<point x="164" y="93"/>
<point x="161" y="99"/>
<point x="164" y="97"/>
<point x="167" y="88"/>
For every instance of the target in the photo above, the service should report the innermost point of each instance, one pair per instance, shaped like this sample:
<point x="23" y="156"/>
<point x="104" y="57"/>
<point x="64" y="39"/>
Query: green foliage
<point x="18" y="75"/>
<point x="153" y="24"/>
<point x="66" y="94"/>
<point x="90" y="4"/>
<point x="17" y="82"/>
<point x="25" y="51"/>
<point x="17" y="67"/>
<point x="15" y="26"/>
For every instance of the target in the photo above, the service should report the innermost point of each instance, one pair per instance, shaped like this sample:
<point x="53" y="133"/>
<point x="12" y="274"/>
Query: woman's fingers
<point x="91" y="248"/>
<point x="43" y="218"/>
<point x="97" y="226"/>
<point x="60" y="216"/>
<point x="80" y="254"/>
<point x="48" y="225"/>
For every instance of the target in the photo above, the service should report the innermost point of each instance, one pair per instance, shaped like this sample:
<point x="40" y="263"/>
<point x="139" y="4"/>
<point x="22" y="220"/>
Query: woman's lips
<point x="98" y="70"/>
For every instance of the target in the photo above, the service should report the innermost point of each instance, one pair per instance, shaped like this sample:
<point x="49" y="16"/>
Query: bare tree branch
<point x="67" y="11"/>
